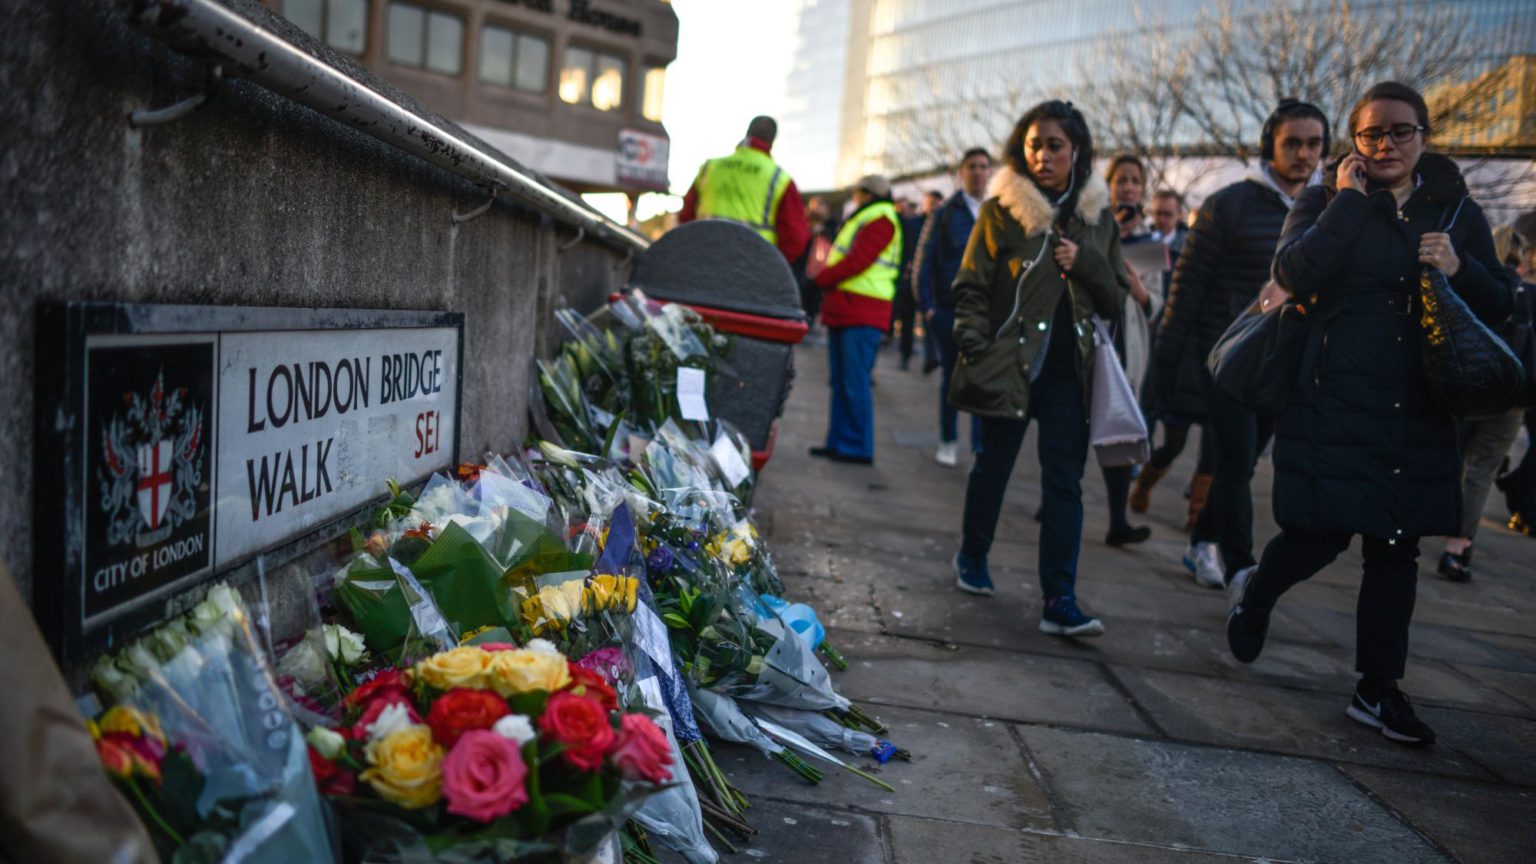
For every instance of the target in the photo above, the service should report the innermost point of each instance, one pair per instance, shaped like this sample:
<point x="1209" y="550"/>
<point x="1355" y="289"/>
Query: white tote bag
<point x="1116" y="428"/>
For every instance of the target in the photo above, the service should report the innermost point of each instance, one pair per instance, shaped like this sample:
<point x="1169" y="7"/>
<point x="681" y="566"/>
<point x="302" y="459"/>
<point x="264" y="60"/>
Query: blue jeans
<point x="851" y="421"/>
<point x="1056" y="402"/>
<point x="942" y="327"/>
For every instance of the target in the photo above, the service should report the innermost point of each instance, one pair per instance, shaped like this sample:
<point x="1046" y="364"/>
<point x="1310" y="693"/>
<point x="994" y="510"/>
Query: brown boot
<point x="1141" y="493"/>
<point x="1199" y="490"/>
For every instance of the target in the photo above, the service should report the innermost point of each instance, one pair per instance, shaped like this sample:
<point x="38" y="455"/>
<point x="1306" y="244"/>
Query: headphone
<point x="1289" y="109"/>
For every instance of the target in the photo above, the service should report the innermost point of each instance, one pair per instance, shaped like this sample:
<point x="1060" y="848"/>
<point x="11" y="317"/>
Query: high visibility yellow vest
<point x="744" y="187"/>
<point x="879" y="279"/>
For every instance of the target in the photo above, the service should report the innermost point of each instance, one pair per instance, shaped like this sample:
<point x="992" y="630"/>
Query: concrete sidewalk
<point x="1149" y="744"/>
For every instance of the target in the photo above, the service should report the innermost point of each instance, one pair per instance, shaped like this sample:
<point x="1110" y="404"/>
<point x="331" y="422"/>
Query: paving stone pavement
<point x="1149" y="744"/>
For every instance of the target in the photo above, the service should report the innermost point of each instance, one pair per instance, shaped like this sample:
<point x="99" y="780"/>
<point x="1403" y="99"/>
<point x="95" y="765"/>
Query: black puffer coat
<point x="1225" y="262"/>
<point x="1362" y="448"/>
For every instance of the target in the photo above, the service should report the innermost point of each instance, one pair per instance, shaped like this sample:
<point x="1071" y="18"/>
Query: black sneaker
<point x="1127" y="536"/>
<point x="1247" y="624"/>
<point x="1457" y="568"/>
<point x="1389" y="710"/>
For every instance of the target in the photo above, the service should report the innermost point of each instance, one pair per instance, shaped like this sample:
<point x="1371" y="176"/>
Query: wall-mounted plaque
<point x="175" y="443"/>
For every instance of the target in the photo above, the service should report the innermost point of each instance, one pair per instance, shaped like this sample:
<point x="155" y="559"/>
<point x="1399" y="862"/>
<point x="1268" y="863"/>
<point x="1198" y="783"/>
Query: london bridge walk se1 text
<point x="300" y="392"/>
<point x="293" y="393"/>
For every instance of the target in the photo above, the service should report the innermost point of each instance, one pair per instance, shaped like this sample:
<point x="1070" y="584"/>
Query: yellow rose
<point x="599" y="594"/>
<point x="464" y="666"/>
<point x="406" y="767"/>
<point x="130" y="721"/>
<point x="522" y="670"/>
<point x="737" y="552"/>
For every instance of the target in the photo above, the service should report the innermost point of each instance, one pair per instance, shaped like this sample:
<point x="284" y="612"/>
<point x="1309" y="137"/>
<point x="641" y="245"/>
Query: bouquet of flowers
<point x="485" y="753"/>
<point x="201" y="738"/>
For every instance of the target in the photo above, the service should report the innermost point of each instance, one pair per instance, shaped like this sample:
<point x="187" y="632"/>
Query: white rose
<point x="516" y="727"/>
<point x="343" y="645"/>
<point x="205" y="615"/>
<point x="224" y="598"/>
<point x="435" y="504"/>
<point x="328" y="743"/>
<point x="113" y="680"/>
<point x="542" y="646"/>
<point x="140" y="661"/>
<point x="304" y="664"/>
<point x="391" y="719"/>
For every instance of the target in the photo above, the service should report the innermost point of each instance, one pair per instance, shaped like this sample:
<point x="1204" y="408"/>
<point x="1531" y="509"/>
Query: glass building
<point x="925" y="78"/>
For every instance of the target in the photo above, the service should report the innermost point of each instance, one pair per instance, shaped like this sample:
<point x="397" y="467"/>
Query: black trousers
<point x="1387" y="589"/>
<point x="904" y="310"/>
<point x="1237" y="437"/>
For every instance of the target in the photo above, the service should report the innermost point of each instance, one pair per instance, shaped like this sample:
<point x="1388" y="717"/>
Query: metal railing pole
<point x="246" y="50"/>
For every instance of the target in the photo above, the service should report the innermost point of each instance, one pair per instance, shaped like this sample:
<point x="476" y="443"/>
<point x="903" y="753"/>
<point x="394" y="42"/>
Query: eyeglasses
<point x="1402" y="133"/>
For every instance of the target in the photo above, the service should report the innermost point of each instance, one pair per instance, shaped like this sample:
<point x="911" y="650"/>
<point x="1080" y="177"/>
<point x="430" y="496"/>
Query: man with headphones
<point x="1224" y="265"/>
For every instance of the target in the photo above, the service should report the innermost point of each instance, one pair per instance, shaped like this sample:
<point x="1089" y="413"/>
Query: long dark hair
<point x="1076" y="129"/>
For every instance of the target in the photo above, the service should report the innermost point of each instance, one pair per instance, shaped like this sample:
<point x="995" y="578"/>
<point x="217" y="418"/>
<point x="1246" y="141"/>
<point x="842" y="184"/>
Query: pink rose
<point x="483" y="776"/>
<point x="497" y="646"/>
<point x="607" y="662"/>
<point x="642" y="751"/>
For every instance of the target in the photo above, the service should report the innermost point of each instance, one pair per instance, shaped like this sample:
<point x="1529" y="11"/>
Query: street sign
<point x="642" y="159"/>
<point x="178" y="442"/>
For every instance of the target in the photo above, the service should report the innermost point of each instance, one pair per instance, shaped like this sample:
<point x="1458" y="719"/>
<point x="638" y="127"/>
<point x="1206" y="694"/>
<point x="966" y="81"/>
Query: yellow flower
<point x="522" y="671"/>
<point x="600" y="593"/>
<point x="464" y="666"/>
<point x="737" y="552"/>
<point x="132" y="722"/>
<point x="406" y="767"/>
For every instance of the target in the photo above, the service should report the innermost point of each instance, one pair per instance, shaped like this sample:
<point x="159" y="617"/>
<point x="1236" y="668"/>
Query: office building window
<point x="591" y="78"/>
<point x="342" y="24"/>
<point x="655" y="86"/>
<point x="425" y="38"/>
<point x="514" y="59"/>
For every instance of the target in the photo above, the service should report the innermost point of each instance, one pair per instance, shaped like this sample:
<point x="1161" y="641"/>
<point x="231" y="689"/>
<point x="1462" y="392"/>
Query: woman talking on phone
<point x="1043" y="258"/>
<point x="1362" y="447"/>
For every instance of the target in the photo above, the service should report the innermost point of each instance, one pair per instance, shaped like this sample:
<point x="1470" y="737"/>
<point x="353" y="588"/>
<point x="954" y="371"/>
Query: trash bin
<point x="741" y="285"/>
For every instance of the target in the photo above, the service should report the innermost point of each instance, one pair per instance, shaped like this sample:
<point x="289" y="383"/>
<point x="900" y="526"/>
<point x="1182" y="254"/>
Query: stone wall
<point x="250" y="200"/>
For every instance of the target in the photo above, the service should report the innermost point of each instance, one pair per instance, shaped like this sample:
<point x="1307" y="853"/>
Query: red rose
<point x="642" y="751"/>
<point x="461" y="710"/>
<point x="388" y="679"/>
<point x="585" y="682"/>
<point x="329" y="776"/>
<point x="581" y="724"/>
<point x="383" y="700"/>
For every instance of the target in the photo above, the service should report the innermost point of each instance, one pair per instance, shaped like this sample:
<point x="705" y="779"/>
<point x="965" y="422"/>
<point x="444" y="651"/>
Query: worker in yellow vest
<point x="859" y="282"/>
<point x="749" y="187"/>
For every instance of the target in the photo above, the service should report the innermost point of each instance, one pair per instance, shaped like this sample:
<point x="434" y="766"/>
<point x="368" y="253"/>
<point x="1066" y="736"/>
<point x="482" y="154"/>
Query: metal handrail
<point x="204" y="28"/>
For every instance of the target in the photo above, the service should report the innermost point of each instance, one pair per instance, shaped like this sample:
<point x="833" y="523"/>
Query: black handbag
<point x="1470" y="370"/>
<point x="1256" y="361"/>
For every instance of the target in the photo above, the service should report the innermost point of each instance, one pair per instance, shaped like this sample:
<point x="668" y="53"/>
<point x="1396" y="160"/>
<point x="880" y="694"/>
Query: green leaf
<point x="675" y="620"/>
<point x="562" y="804"/>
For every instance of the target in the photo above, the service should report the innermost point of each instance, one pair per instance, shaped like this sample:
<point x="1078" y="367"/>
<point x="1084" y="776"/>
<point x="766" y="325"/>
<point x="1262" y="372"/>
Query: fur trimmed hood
<point x="1025" y="203"/>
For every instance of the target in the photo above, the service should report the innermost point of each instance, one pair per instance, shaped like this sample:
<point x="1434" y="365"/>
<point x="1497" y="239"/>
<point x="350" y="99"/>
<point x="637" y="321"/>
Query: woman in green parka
<point x="1043" y="259"/>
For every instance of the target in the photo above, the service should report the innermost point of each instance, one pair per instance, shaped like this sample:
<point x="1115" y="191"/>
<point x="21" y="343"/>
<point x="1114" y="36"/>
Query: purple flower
<point x="660" y="561"/>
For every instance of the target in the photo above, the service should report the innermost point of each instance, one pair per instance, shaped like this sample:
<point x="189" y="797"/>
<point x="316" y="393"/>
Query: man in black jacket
<point x="940" y="251"/>
<point x="1225" y="262"/>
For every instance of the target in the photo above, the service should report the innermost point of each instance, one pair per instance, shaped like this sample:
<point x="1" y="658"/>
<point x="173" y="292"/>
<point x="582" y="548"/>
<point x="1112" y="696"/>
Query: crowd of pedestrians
<point x="1038" y="261"/>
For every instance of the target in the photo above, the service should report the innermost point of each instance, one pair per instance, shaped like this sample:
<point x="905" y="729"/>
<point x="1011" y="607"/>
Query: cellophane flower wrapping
<point x="214" y="696"/>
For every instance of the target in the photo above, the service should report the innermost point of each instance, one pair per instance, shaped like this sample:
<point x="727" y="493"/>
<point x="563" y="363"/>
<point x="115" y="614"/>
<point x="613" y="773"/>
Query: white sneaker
<point x="1206" y="562"/>
<point x="947" y="455"/>
<point x="1240" y="584"/>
